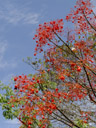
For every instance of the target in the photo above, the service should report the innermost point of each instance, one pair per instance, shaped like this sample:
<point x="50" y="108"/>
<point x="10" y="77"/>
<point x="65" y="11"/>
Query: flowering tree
<point x="62" y="90"/>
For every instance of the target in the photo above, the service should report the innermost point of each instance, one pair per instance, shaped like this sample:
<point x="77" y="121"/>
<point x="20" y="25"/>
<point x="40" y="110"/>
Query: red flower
<point x="78" y="68"/>
<point x="15" y="78"/>
<point x="29" y="122"/>
<point x="56" y="89"/>
<point x="62" y="78"/>
<point x="29" y="126"/>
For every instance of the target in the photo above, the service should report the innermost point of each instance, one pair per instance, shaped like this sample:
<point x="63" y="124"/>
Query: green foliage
<point x="81" y="124"/>
<point x="6" y="92"/>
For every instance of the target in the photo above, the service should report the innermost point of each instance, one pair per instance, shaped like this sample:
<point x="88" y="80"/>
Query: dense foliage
<point x="62" y="92"/>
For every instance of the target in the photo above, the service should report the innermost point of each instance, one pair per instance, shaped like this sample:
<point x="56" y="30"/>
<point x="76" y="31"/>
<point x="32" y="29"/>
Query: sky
<point x="19" y="20"/>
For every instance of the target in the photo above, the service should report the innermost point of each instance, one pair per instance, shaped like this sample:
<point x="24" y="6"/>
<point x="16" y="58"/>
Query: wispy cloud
<point x="4" y="63"/>
<point x="3" y="46"/>
<point x="15" y="15"/>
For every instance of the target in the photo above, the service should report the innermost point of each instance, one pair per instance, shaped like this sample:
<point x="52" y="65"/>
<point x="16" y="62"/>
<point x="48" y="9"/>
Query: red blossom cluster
<point x="82" y="16"/>
<point x="35" y="104"/>
<point x="46" y="32"/>
<point x="69" y="65"/>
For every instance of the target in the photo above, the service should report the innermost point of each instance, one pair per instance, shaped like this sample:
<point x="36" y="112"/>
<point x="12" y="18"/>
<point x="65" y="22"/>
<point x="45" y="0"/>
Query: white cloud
<point x="4" y="63"/>
<point x="31" y="19"/>
<point x="3" y="46"/>
<point x="14" y="15"/>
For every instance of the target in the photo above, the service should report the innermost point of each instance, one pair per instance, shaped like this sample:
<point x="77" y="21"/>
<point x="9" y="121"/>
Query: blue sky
<point x="18" y="22"/>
